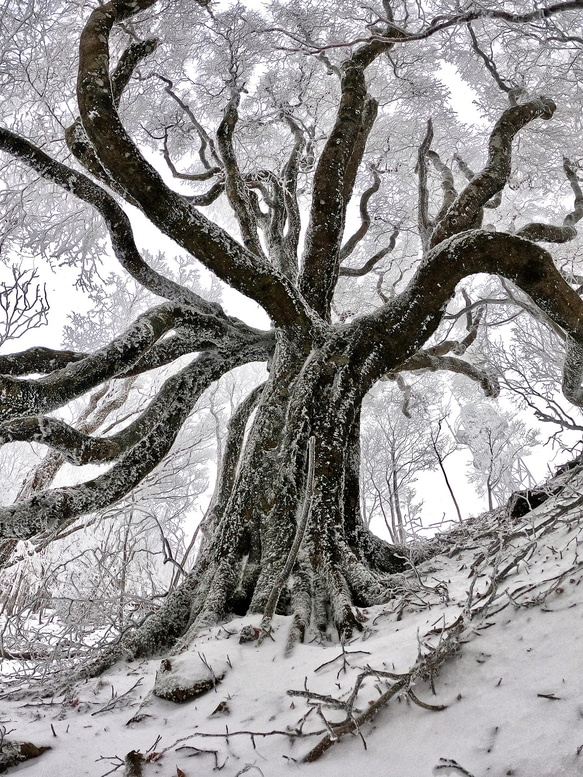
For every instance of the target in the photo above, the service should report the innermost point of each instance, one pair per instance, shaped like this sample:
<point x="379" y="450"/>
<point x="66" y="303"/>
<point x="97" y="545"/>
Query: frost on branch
<point x="306" y="168"/>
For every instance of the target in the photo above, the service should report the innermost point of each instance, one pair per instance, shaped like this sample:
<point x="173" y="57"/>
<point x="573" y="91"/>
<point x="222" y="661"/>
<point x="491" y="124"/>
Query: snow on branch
<point x="423" y="360"/>
<point x="206" y="142"/>
<point x="167" y="210"/>
<point x="394" y="34"/>
<point x="20" y="397"/>
<point x="466" y="209"/>
<point x="115" y="218"/>
<point x="59" y="507"/>
<point x="550" y="233"/>
<point x="75" y="135"/>
<point x="425" y="225"/>
<point x="237" y="192"/>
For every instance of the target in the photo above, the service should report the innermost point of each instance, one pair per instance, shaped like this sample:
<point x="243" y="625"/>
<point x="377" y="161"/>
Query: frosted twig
<point x="119" y="700"/>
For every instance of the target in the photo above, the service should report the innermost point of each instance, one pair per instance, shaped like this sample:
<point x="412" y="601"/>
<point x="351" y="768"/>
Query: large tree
<point x="303" y="129"/>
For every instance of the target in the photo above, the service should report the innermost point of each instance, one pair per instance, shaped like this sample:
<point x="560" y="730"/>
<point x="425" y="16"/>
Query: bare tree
<point x="498" y="444"/>
<point x="285" y="116"/>
<point x="395" y="448"/>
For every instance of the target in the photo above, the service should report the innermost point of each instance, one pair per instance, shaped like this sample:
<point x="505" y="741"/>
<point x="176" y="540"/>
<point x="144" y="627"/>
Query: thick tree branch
<point x="394" y="333"/>
<point x="470" y="175"/>
<point x="77" y="448"/>
<point x="235" y="187"/>
<point x="539" y="232"/>
<point x="424" y="223"/>
<point x="369" y="116"/>
<point x="173" y="347"/>
<point x="37" y="359"/>
<point x="166" y="209"/>
<point x="20" y="397"/>
<point x="573" y="372"/>
<point x="492" y="179"/>
<point x="290" y="191"/>
<point x="577" y="212"/>
<point x="334" y="180"/>
<point x="91" y="418"/>
<point x="496" y="200"/>
<point x="201" y="200"/>
<point x="51" y="510"/>
<point x="278" y="248"/>
<point x="75" y="135"/>
<point x="447" y="184"/>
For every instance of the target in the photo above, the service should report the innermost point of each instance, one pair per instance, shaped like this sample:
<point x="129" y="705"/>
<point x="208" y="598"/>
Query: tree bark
<point x="319" y="371"/>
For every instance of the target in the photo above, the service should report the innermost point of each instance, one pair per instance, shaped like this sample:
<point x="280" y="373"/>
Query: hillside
<point x="472" y="669"/>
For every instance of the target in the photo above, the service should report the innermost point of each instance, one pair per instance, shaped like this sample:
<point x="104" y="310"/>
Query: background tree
<point x="299" y="130"/>
<point x="498" y="444"/>
<point x="395" y="448"/>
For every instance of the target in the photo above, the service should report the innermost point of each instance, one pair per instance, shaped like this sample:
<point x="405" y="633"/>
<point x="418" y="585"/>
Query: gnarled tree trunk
<point x="284" y="525"/>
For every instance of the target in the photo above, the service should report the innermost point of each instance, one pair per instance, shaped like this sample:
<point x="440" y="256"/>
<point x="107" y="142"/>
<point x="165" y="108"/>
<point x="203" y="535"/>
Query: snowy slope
<point x="491" y="627"/>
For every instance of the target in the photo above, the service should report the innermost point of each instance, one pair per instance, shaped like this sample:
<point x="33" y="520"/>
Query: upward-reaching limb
<point x="213" y="246"/>
<point x="397" y="330"/>
<point x="462" y="213"/>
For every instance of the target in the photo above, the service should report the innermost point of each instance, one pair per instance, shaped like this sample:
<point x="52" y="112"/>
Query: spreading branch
<point x="20" y="397"/>
<point x="115" y="218"/>
<point x="423" y="360"/>
<point x="403" y="325"/>
<point x="51" y="510"/>
<point x="550" y="233"/>
<point x="466" y="209"/>
<point x="490" y="64"/>
<point x="166" y="209"/>
<point x="37" y="359"/>
<point x="438" y="24"/>
<point x="447" y="184"/>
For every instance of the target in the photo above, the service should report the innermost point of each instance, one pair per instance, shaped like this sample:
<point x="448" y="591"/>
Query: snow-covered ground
<point x="491" y="628"/>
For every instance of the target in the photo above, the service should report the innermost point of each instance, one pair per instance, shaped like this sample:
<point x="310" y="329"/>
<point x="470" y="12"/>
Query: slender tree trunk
<point x="448" y="484"/>
<point x="400" y="534"/>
